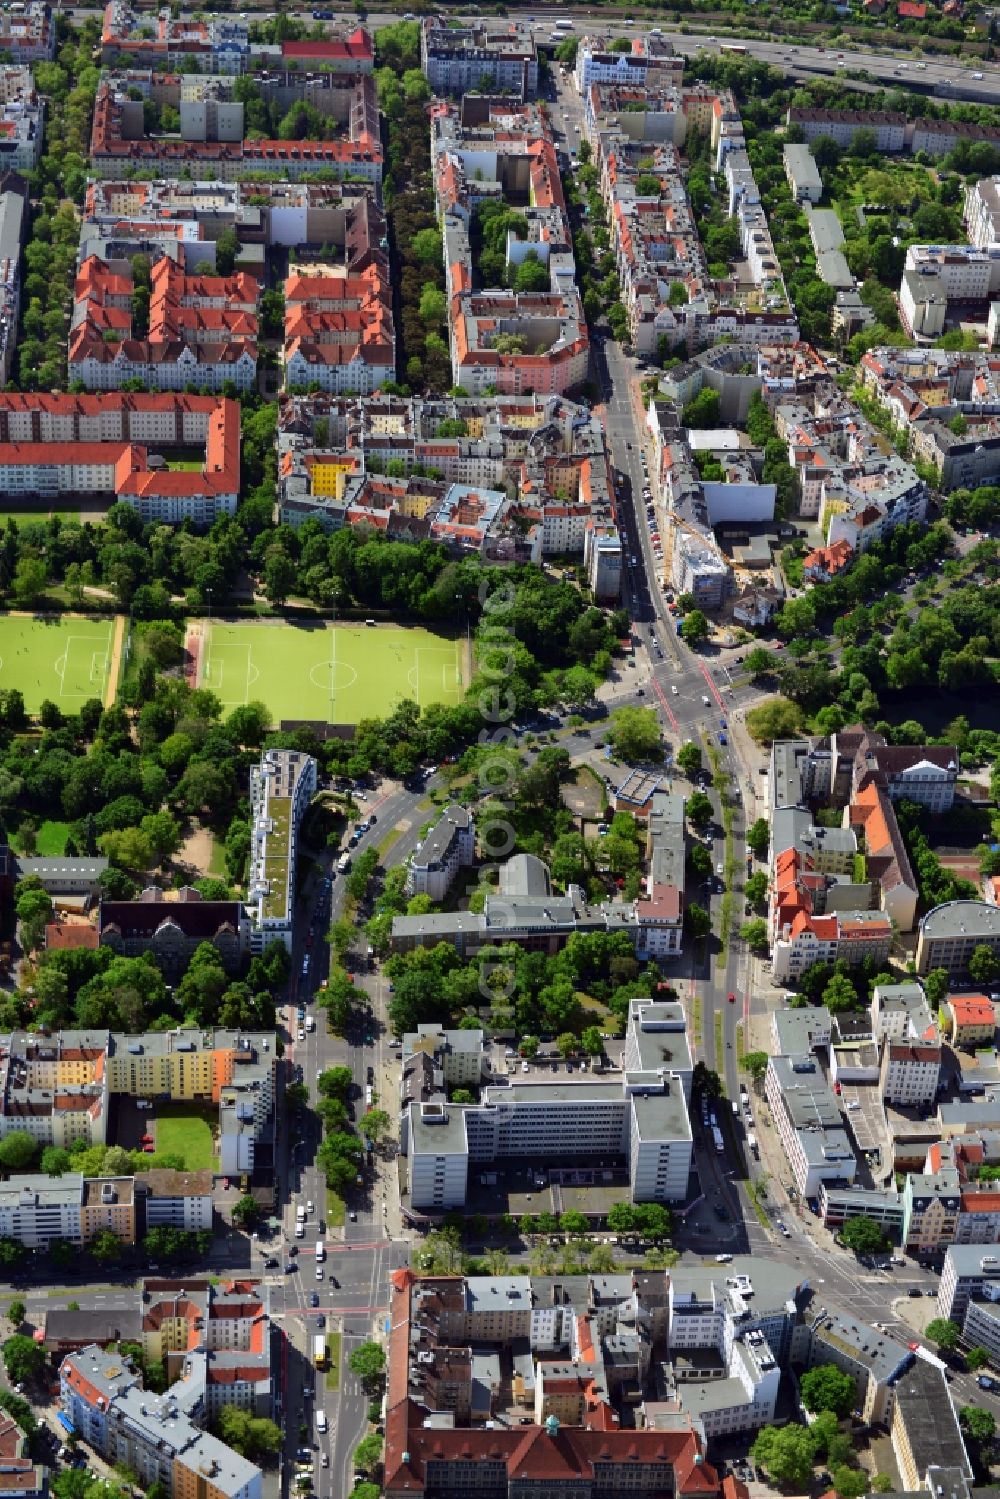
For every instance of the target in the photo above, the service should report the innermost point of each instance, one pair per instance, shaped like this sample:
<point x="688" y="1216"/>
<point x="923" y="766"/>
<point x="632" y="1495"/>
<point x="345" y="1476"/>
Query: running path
<point x="115" y="667"/>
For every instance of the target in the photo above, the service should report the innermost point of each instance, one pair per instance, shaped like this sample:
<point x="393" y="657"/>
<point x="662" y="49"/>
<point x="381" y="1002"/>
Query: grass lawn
<point x="66" y="659"/>
<point x="333" y="1351"/>
<point x="333" y="674"/>
<point x="336" y="1211"/>
<point x="183" y="1130"/>
<point x="50" y="842"/>
<point x="217" y="863"/>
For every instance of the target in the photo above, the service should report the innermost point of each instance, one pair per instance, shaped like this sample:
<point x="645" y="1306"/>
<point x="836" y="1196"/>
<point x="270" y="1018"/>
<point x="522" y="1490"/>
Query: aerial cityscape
<point x="500" y="751"/>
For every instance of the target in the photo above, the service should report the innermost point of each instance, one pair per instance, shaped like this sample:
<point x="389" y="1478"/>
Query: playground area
<point x="65" y="659"/>
<point x="328" y="673"/>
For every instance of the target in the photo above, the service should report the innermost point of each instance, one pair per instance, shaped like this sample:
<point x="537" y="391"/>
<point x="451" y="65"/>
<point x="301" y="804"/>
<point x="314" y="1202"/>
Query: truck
<point x="320" y="1251"/>
<point x="720" y="1144"/>
<point x="321" y="1421"/>
<point x="319" y="1357"/>
<point x="752" y="1142"/>
<point x="310" y="1022"/>
<point x="343" y="863"/>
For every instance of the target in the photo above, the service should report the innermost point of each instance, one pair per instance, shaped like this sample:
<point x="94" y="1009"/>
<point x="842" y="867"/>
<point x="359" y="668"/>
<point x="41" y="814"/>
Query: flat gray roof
<point x="443" y="1131"/>
<point x="662" y="1116"/>
<point x="825" y="229"/>
<point x="962" y="918"/>
<point x="924" y="1404"/>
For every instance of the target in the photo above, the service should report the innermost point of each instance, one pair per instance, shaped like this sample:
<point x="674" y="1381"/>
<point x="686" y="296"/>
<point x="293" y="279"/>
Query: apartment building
<point x="982" y="212"/>
<point x="177" y="1199"/>
<point x="153" y="1435"/>
<point x="971" y="1019"/>
<point x="530" y="477"/>
<point x="458" y="1055"/>
<point x="926" y="1437"/>
<point x="171" y="925"/>
<point x="826" y="939"/>
<point x="949" y="935"/>
<point x="802" y="174"/>
<point x="875" y="1361"/>
<point x="13" y="219"/>
<point x="58" y="1088"/>
<point x="27" y="31"/>
<point x="648" y="65"/>
<point x="925" y="389"/>
<point x="22" y="113"/>
<point x="210" y="320"/>
<point x="427" y="1371"/>
<point x="967" y="1272"/>
<point x="216" y="1339"/>
<point x="937" y="278"/>
<point x="464" y="59"/>
<point x="221" y="43"/>
<point x="809" y="1124"/>
<point x="981" y="1328"/>
<point x="910" y="1072"/>
<point x="932" y="1202"/>
<point x="641" y="1116"/>
<point x="516" y="342"/>
<point x="339" y="332"/>
<point x="76" y="444"/>
<point x="216" y="147"/>
<point x="34" y="1210"/>
<point x="448" y="847"/>
<point x="281" y="788"/>
<point x="353" y="52"/>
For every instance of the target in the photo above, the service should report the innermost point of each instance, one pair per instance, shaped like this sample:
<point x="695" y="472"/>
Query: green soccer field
<point x="66" y="660"/>
<point x="329" y="673"/>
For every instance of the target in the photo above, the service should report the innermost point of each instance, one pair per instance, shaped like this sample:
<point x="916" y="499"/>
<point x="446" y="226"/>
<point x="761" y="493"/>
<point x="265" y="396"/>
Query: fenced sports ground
<point x="328" y="673"/>
<point x="65" y="658"/>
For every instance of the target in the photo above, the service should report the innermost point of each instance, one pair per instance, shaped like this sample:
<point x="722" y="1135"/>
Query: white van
<point x="321" y="1423"/>
<point x="320" y="1251"/>
<point x="300" y="1214"/>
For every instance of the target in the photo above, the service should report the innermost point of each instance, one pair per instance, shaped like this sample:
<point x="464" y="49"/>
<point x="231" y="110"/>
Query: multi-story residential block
<point x="213" y="141"/>
<point x="177" y="1199"/>
<point x="931" y="1205"/>
<point x="154" y="1435"/>
<point x="216" y="1339"/>
<point x="422" y="1455"/>
<point x="648" y="65"/>
<point x="27" y="31"/>
<point x="809" y="1124"/>
<point x="530" y="478"/>
<point x="949" y="935"/>
<point x="75" y="444"/>
<point x="982" y="212"/>
<point x="13" y="212"/>
<point x="641" y="1115"/>
<point x="339" y="329"/>
<point x="460" y="59"/>
<point x="281" y="788"/>
<point x="350" y="53"/>
<point x="875" y="1361"/>
<point x="21" y="118"/>
<point x="837" y="1205"/>
<point x="34" y="1210"/>
<point x="802" y="174"/>
<point x="971" y="1019"/>
<point x="58" y="1088"/>
<point x="220" y="42"/>
<point x="910" y="1072"/>
<point x="936" y="276"/>
<point x="457" y="1055"/>
<point x="967" y="1272"/>
<point x="926" y="1437"/>
<point x="859" y="491"/>
<point x="202" y="330"/>
<point x="172" y="928"/>
<point x="825" y="939"/>
<point x="448" y="847"/>
<point x="893" y="132"/>
<point x="518" y="342"/>
<point x="981" y="1328"/>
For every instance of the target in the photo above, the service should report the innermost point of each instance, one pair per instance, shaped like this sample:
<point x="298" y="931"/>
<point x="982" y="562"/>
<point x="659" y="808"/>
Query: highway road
<point x="895" y="68"/>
